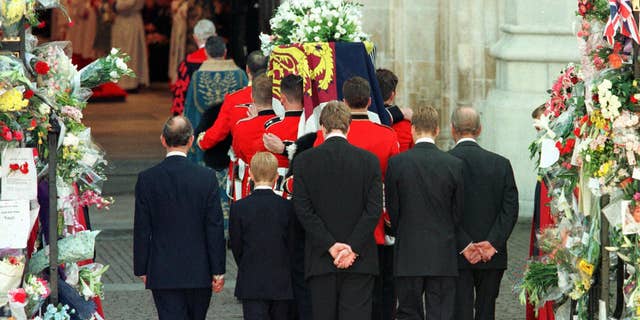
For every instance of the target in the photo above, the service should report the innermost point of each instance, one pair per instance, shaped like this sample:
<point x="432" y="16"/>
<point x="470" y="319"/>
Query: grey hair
<point x="465" y="120"/>
<point x="203" y="30"/>
<point x="177" y="131"/>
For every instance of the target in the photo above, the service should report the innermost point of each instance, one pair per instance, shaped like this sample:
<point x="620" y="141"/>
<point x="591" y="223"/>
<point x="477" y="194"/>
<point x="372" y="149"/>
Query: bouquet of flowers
<point x="74" y="248"/>
<point x="11" y="268"/>
<point x="90" y="279"/>
<point x="17" y="303"/>
<point x="37" y="289"/>
<point x="106" y="69"/>
<point x="299" y="21"/>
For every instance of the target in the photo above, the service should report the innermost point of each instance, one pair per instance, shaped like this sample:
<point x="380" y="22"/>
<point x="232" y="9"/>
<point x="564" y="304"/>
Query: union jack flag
<point x="621" y="17"/>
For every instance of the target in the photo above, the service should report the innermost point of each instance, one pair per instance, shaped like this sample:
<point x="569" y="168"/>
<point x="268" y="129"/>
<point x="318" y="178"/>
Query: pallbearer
<point x="247" y="133"/>
<point x="286" y="128"/>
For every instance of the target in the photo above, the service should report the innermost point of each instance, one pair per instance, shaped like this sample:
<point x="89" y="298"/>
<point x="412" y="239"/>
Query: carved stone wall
<point x="499" y="56"/>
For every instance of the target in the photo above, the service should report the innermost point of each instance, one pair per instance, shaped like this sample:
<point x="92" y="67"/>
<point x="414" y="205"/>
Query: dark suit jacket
<point x="178" y="231"/>
<point x="424" y="195"/>
<point x="491" y="202"/>
<point x="260" y="228"/>
<point x="337" y="194"/>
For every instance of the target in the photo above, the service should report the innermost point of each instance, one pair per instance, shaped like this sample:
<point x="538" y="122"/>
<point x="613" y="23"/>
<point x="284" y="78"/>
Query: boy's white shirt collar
<point x="176" y="153"/>
<point x="426" y="139"/>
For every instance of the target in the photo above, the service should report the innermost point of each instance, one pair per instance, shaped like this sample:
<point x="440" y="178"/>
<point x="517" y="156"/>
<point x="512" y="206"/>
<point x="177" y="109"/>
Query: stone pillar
<point x="537" y="41"/>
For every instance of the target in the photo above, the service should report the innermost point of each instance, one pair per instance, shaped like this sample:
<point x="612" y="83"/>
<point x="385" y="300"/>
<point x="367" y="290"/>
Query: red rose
<point x="574" y="80"/>
<point x="17" y="135"/>
<point x="570" y="144"/>
<point x="595" y="98"/>
<point x="559" y="146"/>
<point x="14" y="167"/>
<point x="19" y="296"/>
<point x="42" y="24"/>
<point x="34" y="123"/>
<point x="576" y="132"/>
<point x="633" y="99"/>
<point x="42" y="67"/>
<point x="24" y="168"/>
<point x="28" y="94"/>
<point x="7" y="135"/>
<point x="13" y="260"/>
<point x="71" y="23"/>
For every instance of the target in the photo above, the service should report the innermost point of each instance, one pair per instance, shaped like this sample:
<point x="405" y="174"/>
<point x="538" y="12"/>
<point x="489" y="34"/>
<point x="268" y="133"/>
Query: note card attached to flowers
<point x="19" y="176"/>
<point x="15" y="224"/>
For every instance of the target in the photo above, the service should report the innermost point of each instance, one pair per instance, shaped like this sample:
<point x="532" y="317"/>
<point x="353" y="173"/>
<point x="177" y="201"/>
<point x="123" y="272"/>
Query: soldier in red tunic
<point x="248" y="132"/>
<point x="286" y="128"/>
<point x="388" y="82"/>
<point x="235" y="105"/>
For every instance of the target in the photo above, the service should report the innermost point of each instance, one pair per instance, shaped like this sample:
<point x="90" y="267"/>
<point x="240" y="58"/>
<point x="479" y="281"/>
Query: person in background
<point x="542" y="219"/>
<point x="178" y="236"/>
<point x="490" y="213"/>
<point x="127" y="33"/>
<point x="216" y="77"/>
<point x="388" y="82"/>
<point x="201" y="32"/>
<point x="424" y="191"/>
<point x="261" y="242"/>
<point x="157" y="26"/>
<point x="178" y="41"/>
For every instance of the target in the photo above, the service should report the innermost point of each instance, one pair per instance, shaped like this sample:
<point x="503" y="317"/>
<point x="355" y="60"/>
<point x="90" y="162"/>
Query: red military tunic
<point x="247" y="141"/>
<point x="286" y="129"/>
<point x="403" y="131"/>
<point x="377" y="139"/>
<point x="233" y="109"/>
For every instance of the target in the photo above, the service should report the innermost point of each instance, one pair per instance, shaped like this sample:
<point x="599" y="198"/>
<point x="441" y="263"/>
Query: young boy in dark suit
<point x="259" y="234"/>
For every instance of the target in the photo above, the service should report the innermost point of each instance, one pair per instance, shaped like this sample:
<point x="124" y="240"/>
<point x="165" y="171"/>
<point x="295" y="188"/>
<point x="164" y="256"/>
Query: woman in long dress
<point x="128" y="34"/>
<point x="178" y="44"/>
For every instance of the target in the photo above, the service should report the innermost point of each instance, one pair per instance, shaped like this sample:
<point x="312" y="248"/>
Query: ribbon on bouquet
<point x="621" y="18"/>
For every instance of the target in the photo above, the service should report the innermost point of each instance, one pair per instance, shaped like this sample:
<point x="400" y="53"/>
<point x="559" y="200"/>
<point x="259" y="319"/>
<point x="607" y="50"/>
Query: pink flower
<point x="636" y="196"/>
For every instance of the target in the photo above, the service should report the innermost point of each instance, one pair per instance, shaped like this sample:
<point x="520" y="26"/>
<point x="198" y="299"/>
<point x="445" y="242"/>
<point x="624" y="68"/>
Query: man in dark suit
<point x="424" y="196"/>
<point x="178" y="246"/>
<point x="490" y="212"/>
<point x="337" y="196"/>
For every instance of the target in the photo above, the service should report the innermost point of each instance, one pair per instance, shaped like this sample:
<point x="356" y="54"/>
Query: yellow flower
<point x="598" y="121"/>
<point x="12" y="100"/>
<point x="12" y="10"/>
<point x="635" y="83"/>
<point x="604" y="169"/>
<point x="584" y="266"/>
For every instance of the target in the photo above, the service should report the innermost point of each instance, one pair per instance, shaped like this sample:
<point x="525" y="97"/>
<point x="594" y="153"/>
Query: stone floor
<point x="129" y="132"/>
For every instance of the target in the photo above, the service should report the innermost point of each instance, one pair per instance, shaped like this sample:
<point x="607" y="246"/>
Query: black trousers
<point x="439" y="298"/>
<point x="341" y="296"/>
<point x="265" y="309"/>
<point x="477" y="289"/>
<point x="384" y="297"/>
<point x="302" y="306"/>
<point x="182" y="304"/>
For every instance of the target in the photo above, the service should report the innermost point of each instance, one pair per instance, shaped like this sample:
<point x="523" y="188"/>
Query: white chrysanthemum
<point x="70" y="140"/>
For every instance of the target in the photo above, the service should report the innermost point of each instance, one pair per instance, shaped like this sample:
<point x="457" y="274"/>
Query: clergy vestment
<point x="208" y="86"/>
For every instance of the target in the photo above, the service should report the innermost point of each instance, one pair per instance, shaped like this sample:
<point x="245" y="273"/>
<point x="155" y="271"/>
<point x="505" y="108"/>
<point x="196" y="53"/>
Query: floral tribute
<point x="587" y="150"/>
<point x="41" y="88"/>
<point x="301" y="21"/>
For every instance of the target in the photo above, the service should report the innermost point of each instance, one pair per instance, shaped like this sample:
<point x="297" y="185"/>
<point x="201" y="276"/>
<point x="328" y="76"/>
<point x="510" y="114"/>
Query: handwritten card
<point x="19" y="176"/>
<point x="15" y="224"/>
